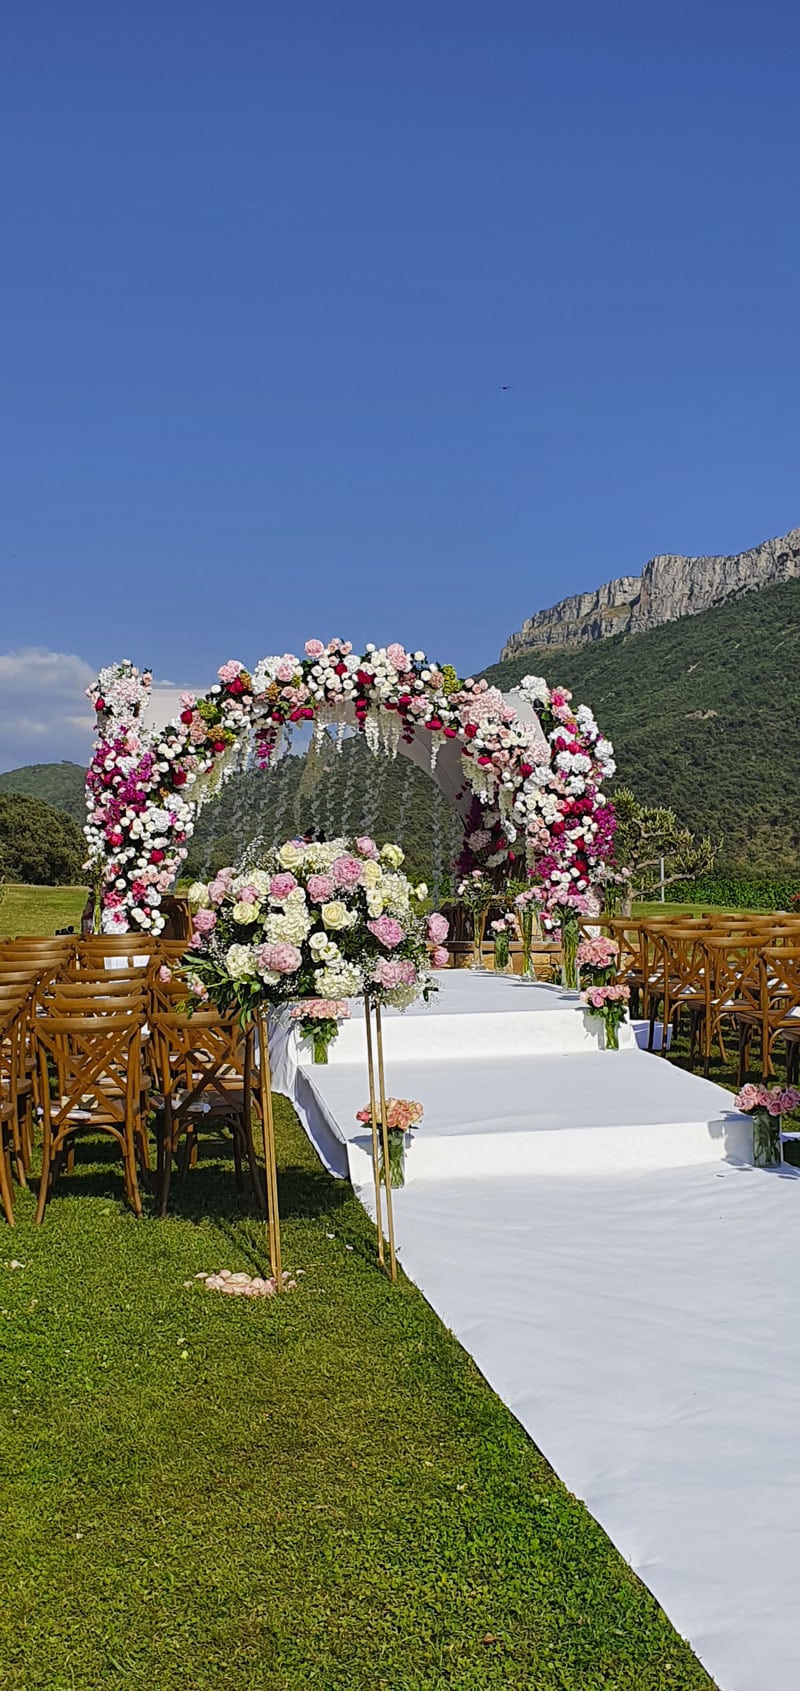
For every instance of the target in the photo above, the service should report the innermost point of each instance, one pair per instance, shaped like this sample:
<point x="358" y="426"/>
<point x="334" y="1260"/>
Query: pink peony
<point x="204" y="922"/>
<point x="230" y="671"/>
<point x="314" y="648"/>
<point x="386" y="930"/>
<point x="247" y="895"/>
<point x="346" y="871"/>
<point x="279" y="958"/>
<point x="438" y="928"/>
<point x="281" y="885"/>
<point x="365" y="846"/>
<point x="440" y="957"/>
<point x="398" y="657"/>
<point x="320" y="889"/>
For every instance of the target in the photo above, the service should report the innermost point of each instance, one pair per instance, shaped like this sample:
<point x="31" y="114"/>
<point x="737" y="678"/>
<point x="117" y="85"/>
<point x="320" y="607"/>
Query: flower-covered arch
<point x="526" y="777"/>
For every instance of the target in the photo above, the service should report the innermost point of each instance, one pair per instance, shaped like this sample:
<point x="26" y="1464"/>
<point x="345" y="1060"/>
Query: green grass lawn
<point x="39" y="910"/>
<point x="318" y="1493"/>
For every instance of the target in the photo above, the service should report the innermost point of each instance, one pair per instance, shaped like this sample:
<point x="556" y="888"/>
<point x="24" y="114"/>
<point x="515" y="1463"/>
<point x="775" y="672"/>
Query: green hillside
<point x="59" y="784"/>
<point x="705" y="716"/>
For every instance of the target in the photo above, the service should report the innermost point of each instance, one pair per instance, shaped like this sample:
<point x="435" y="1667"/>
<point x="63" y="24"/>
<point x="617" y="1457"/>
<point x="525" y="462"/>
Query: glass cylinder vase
<point x="570" y="935"/>
<point x="398" y="1143"/>
<point x="766" y="1138"/>
<point x="320" y="1048"/>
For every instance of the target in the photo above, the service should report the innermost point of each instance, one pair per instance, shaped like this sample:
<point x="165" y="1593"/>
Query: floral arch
<point x="526" y="776"/>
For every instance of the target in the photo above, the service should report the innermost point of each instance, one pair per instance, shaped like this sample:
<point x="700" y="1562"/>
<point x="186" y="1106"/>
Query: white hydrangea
<point x="240" y="960"/>
<point x="342" y="980"/>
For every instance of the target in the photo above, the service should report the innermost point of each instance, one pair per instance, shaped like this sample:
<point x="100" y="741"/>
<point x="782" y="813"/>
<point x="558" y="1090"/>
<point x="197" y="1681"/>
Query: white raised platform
<point x="518" y="1116"/>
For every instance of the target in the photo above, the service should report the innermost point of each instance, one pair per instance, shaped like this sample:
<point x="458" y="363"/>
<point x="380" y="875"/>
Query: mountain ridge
<point x="670" y="586"/>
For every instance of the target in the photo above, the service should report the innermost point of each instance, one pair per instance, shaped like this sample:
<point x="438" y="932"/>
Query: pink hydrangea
<point x="230" y="671"/>
<point x="346" y="871"/>
<point x="438" y="928"/>
<point x="204" y="921"/>
<point x="278" y="957"/>
<point x="366" y="846"/>
<point x="281" y="885"/>
<point x="320" y="889"/>
<point x="386" y="930"/>
<point x="314" y="648"/>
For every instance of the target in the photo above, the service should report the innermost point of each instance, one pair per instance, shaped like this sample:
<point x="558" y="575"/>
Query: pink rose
<point x="204" y="922"/>
<point x="398" y="657"/>
<point x="346" y="871"/>
<point x="217" y="890"/>
<point x="286" y="669"/>
<point x="279" y="958"/>
<point x="440" y="957"/>
<point x="281" y="885"/>
<point x="320" y="889"/>
<point x="314" y="648"/>
<point x="366" y="847"/>
<point x="438" y="928"/>
<point x="386" y="930"/>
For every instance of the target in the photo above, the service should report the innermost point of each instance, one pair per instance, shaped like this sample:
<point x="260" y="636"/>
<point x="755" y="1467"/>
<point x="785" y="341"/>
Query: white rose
<point x="375" y="902"/>
<point x="291" y="856"/>
<point x="336" y="915"/>
<point x="198" y="896"/>
<point x="245" y="913"/>
<point x="392" y="855"/>
<point x="422" y="890"/>
<point x="371" y="873"/>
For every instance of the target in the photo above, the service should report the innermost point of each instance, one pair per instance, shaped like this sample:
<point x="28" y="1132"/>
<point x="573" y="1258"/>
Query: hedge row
<point x="740" y="890"/>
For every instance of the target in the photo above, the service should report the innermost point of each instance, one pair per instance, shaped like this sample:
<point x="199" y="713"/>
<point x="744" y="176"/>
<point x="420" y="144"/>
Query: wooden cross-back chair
<point x="733" y="963"/>
<point x="13" y="1101"/>
<point x="204" y="1065"/>
<point x="89" y="1079"/>
<point x="17" y="1009"/>
<point x="778" y="1014"/>
<point x="680" y="979"/>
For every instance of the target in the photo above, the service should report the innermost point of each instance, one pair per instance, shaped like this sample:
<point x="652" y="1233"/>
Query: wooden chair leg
<point x="6" y="1195"/>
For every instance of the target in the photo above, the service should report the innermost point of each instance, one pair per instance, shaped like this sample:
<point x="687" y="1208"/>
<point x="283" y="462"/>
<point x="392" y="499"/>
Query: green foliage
<point x="346" y="792"/>
<point x="736" y="890"/>
<point x="705" y="717"/>
<point x="318" y="1493"/>
<point x="59" y="784"/>
<point x="37" y="843"/>
<point x="651" y="835"/>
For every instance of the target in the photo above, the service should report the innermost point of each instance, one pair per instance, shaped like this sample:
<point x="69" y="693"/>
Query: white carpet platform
<point x="590" y="1227"/>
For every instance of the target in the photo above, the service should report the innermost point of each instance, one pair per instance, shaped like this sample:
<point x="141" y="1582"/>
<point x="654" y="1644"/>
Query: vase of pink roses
<point x="402" y="1115"/>
<point x="502" y="929"/>
<point x="597" y="959"/>
<point x="317" y="1020"/>
<point x="610" y="1003"/>
<point x="767" y="1105"/>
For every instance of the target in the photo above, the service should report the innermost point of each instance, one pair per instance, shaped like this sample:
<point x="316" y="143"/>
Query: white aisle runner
<point x="644" y="1330"/>
<point x="630" y="1292"/>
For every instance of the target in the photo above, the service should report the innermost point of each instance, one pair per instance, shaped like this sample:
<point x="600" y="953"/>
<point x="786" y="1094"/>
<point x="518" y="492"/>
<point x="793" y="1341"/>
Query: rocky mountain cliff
<point x="668" y="587"/>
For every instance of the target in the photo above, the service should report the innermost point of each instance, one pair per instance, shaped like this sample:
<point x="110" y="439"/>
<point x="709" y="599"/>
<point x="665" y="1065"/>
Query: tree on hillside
<point x="38" y="844"/>
<point x="647" y="833"/>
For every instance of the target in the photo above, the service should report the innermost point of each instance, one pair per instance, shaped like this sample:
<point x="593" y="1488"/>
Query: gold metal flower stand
<point x="377" y="1105"/>
<point x="270" y="1163"/>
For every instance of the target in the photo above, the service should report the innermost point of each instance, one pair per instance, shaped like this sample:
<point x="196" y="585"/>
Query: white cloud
<point x="44" y="712"/>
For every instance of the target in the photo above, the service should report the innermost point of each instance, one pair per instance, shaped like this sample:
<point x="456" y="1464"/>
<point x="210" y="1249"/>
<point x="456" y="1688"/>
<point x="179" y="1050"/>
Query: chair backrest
<point x="96" y="1059"/>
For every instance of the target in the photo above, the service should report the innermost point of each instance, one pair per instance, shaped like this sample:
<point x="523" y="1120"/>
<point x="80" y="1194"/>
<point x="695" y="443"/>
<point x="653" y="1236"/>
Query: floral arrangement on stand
<point x="318" y="924"/>
<point x="610" y="1003"/>
<point x="767" y="1105"/>
<point x="536" y="783"/>
<point x="402" y="1114"/>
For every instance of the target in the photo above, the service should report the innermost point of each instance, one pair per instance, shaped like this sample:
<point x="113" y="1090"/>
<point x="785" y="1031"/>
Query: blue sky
<point x="266" y="270"/>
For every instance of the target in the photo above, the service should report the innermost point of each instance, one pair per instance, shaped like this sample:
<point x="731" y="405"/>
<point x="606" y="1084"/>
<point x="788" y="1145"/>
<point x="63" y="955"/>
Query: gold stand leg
<point x="270" y="1165"/>
<point x="374" y="1119"/>
<point x="387" y="1179"/>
